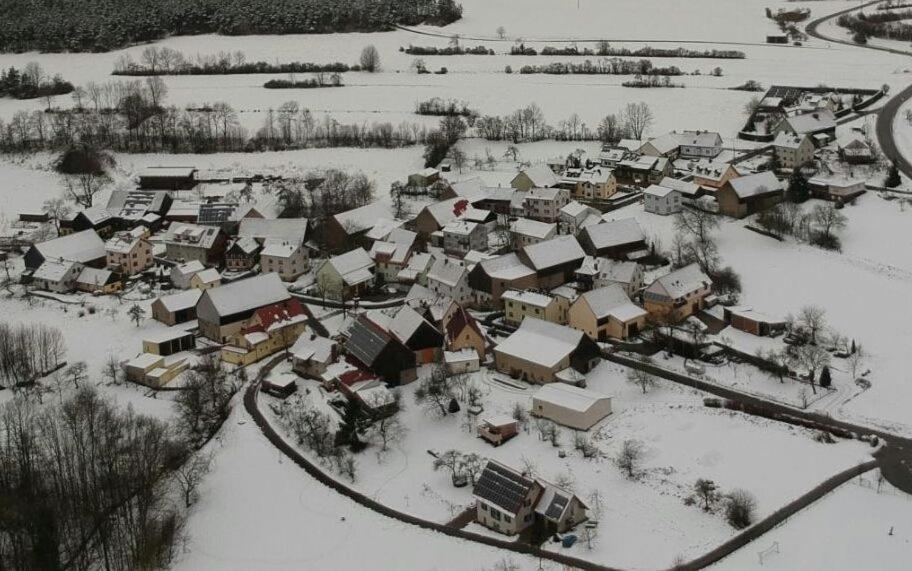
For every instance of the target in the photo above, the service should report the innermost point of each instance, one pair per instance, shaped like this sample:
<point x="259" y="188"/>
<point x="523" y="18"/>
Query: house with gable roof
<point x="538" y="351"/>
<point x="554" y="261"/>
<point x="538" y="176"/>
<point x="677" y="295"/>
<point x="224" y="311"/>
<point x="750" y="194"/>
<point x="607" y="312"/>
<point x="346" y="276"/>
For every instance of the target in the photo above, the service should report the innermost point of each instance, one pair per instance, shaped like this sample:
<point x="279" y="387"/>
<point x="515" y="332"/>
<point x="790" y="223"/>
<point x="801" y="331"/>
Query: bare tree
<point x="629" y="457"/>
<point x="828" y="219"/>
<point x="81" y="188"/>
<point x="812" y="318"/>
<point x="857" y="360"/>
<point x="811" y="358"/>
<point x="56" y="209"/>
<point x="77" y="372"/>
<point x="643" y="379"/>
<point x="370" y="59"/>
<point x="190" y="475"/>
<point x="137" y="314"/>
<point x="707" y="490"/>
<point x="638" y="118"/>
<point x="501" y="32"/>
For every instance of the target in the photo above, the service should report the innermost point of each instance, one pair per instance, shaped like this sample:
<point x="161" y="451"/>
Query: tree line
<point x="31" y="83"/>
<point x="443" y="107"/>
<point x="104" y="25"/>
<point x="168" y="61"/>
<point x="529" y="124"/>
<point x="318" y="80"/>
<point x="28" y="351"/>
<point x="608" y="66"/>
<point x="887" y="25"/>
<point x="453" y="50"/>
<point x="605" y="49"/>
<point x="134" y="117"/>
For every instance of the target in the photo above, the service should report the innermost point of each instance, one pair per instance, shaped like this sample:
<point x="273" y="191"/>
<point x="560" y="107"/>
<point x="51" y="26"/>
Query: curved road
<point x="887" y="114"/>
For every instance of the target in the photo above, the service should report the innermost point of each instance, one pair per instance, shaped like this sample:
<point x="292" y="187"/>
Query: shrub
<point x="740" y="509"/>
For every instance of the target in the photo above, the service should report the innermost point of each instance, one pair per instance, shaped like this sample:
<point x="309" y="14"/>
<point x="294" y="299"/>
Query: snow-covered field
<point x="855" y="527"/>
<point x="682" y="440"/>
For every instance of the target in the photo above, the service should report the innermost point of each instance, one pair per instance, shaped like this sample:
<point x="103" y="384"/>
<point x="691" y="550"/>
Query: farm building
<point x="570" y="406"/>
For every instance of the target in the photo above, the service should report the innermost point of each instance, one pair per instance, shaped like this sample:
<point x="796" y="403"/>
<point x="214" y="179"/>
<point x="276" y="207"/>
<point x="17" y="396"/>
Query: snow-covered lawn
<point x="682" y="441"/>
<point x="855" y="527"/>
<point x="258" y="510"/>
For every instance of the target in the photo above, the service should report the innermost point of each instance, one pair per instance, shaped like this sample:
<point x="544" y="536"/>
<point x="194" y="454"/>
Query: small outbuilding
<point x="169" y="342"/>
<point x="497" y="429"/>
<point x="570" y="406"/>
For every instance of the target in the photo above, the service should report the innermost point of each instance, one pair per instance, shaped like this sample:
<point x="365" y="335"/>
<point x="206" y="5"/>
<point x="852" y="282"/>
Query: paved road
<point x="884" y="129"/>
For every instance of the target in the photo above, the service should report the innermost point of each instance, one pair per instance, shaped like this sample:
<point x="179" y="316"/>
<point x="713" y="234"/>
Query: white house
<point x="448" y="277"/>
<point x="661" y="200"/>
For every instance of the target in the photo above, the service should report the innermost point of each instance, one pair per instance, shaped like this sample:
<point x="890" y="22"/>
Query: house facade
<point x="677" y="295"/>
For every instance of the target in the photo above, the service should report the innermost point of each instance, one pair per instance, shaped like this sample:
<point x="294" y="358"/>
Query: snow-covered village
<point x="484" y="285"/>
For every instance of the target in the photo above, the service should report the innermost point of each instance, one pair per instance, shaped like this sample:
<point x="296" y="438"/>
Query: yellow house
<point x="206" y="279"/>
<point x="521" y="304"/>
<point x="272" y="329"/>
<point x="607" y="313"/>
<point x="598" y="182"/>
<point x="154" y="370"/>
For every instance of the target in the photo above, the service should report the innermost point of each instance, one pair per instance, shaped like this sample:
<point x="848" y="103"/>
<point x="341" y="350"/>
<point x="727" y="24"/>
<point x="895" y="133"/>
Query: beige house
<point x="345" y="276"/>
<point x="224" y="311"/>
<point x="312" y="354"/>
<point x="539" y="176"/>
<point x="570" y="406"/>
<point x="598" y="182"/>
<point x="793" y="151"/>
<point x="461" y="332"/>
<point x="713" y="174"/>
<point x="607" y="312"/>
<point x="521" y="304"/>
<point x="129" y="253"/>
<point x="526" y="232"/>
<point x="545" y="204"/>
<point x="288" y="259"/>
<point x="677" y="295"/>
<point x="539" y="351"/>
<point x="206" y="279"/>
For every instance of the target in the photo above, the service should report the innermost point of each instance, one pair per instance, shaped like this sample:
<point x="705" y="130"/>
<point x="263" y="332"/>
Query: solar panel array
<point x="503" y="487"/>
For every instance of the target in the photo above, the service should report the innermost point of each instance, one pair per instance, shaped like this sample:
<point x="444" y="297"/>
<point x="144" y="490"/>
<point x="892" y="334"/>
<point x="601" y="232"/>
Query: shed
<point x="169" y="342"/>
<point x="570" y="406"/>
<point x="497" y="429"/>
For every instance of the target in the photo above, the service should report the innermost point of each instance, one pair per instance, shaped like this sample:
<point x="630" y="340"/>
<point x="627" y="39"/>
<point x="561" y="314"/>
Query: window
<point x="484" y="507"/>
<point x="495" y="515"/>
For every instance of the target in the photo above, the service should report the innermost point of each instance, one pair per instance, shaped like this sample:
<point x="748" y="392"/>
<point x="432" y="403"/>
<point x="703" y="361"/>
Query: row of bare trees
<point x="84" y="486"/>
<point x="28" y="351"/>
<point x="529" y="124"/>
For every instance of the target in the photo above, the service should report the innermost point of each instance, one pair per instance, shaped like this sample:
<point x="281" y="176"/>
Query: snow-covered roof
<point x="819" y="120"/>
<point x="267" y="207"/>
<point x="554" y="252"/>
<point x="680" y="282"/>
<point x="406" y="322"/>
<point x="755" y="184"/>
<point x="96" y="215"/>
<point x="247" y="245"/>
<point x="124" y="242"/>
<point x="658" y="191"/>
<point x="621" y="272"/>
<point x="700" y="138"/>
<point x="575" y="209"/>
<point x="363" y="218"/>
<point x="447" y="271"/>
<point x="354" y="266"/>
<point x="134" y="204"/>
<point x="541" y="175"/>
<point x="682" y="186"/>
<point x="82" y="247"/>
<point x="663" y="144"/>
<point x="710" y="170"/>
<point x="188" y="268"/>
<point x="569" y="396"/>
<point x="612" y="301"/>
<point x="479" y="215"/>
<point x="208" y="276"/>
<point x="54" y="270"/>
<point x="548" y="194"/>
<point x="383" y="228"/>
<point x="533" y="228"/>
<point x="471" y="189"/>
<point x="447" y="210"/>
<point x="506" y="267"/>
<point x="192" y="234"/>
<point x="528" y="297"/>
<point x="167" y="171"/>
<point x="614" y="233"/>
<point x="247" y="294"/>
<point x="311" y="346"/>
<point x="277" y="249"/>
<point x="291" y="230"/>
<point x="464" y="355"/>
<point x="541" y="342"/>
<point x="93" y="276"/>
<point x="180" y="301"/>
<point x="788" y="140"/>
<point x="460" y="227"/>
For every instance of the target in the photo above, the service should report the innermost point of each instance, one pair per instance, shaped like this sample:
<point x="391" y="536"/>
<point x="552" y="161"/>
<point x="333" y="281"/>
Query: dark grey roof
<point x="215" y="212"/>
<point x="557" y="506"/>
<point x="365" y="341"/>
<point x="503" y="487"/>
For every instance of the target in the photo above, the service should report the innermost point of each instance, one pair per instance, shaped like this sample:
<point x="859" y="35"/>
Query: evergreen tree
<point x="353" y="422"/>
<point x="825" y="378"/>
<point x="893" y="180"/>
<point x="798" y="190"/>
